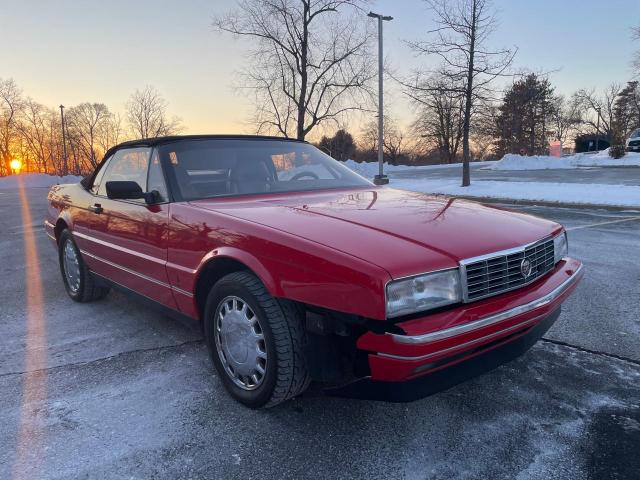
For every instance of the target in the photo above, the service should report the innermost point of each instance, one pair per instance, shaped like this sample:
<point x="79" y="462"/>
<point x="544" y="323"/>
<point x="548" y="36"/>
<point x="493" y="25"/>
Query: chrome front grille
<point x="503" y="271"/>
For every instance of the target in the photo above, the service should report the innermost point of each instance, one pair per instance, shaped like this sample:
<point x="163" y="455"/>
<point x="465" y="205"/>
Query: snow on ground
<point x="36" y="180"/>
<point x="369" y="169"/>
<point x="574" y="193"/>
<point x="579" y="160"/>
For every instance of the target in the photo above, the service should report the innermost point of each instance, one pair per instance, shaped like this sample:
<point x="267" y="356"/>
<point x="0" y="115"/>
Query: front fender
<point x="247" y="259"/>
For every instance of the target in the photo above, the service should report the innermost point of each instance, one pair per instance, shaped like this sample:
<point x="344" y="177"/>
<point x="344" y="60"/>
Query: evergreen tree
<point x="525" y="116"/>
<point x="341" y="146"/>
<point x="626" y="112"/>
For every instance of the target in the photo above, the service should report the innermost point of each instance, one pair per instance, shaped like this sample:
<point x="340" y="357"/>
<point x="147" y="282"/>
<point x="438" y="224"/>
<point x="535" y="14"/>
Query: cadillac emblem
<point x="525" y="268"/>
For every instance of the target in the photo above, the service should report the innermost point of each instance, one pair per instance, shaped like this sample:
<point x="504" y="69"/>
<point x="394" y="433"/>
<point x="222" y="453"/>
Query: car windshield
<point x="222" y="167"/>
<point x="636" y="134"/>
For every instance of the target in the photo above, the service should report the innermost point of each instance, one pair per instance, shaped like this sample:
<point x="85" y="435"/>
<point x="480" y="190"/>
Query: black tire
<point x="89" y="289"/>
<point x="281" y="321"/>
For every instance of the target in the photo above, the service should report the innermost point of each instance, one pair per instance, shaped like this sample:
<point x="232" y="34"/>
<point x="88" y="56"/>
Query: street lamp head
<point x="377" y="15"/>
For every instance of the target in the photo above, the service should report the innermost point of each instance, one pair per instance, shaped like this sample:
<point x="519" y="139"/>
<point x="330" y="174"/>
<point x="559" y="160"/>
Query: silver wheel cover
<point x="240" y="343"/>
<point x="71" y="266"/>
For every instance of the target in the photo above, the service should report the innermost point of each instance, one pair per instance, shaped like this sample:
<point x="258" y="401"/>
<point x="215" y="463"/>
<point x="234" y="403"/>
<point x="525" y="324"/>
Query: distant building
<point x="587" y="143"/>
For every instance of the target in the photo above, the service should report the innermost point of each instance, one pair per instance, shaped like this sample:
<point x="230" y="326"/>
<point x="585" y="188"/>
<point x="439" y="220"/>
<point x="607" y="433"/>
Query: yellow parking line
<point x="620" y="220"/>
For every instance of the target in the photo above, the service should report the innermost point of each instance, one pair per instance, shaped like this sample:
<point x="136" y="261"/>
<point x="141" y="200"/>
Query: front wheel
<point x="256" y="341"/>
<point x="80" y="285"/>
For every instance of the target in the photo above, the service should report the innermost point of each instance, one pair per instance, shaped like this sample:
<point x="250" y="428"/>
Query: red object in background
<point x="332" y="251"/>
<point x="555" y="148"/>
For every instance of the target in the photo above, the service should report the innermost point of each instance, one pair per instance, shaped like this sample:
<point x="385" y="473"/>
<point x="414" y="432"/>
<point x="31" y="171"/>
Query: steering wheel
<point x="305" y="173"/>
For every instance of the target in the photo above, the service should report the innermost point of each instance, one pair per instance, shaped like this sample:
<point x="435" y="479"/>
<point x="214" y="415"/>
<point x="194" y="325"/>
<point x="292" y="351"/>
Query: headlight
<point x="560" y="247"/>
<point x="423" y="292"/>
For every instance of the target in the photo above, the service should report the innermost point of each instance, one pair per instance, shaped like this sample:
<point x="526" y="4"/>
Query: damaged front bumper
<point x="440" y="350"/>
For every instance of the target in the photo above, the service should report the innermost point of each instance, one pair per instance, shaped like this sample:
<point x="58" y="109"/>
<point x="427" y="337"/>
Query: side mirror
<point x="126" y="190"/>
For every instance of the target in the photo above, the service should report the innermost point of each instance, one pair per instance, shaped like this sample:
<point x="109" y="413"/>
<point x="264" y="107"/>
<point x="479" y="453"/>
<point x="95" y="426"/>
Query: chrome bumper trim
<point x="490" y="320"/>
<point x="468" y="344"/>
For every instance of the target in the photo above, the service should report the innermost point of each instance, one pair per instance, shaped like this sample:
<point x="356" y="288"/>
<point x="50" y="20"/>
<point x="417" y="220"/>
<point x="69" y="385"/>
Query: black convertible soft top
<point x="152" y="142"/>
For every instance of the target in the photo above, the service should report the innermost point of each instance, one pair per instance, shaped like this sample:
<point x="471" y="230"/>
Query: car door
<point x="129" y="238"/>
<point x="85" y="221"/>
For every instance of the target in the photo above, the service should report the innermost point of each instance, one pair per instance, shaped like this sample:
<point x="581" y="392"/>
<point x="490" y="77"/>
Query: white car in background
<point x="633" y="142"/>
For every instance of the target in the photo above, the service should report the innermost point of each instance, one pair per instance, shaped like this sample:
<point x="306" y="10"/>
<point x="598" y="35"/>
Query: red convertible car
<point x="300" y="269"/>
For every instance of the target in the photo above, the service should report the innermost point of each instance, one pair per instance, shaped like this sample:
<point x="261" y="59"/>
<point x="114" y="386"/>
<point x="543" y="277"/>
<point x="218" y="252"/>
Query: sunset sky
<point x="74" y="51"/>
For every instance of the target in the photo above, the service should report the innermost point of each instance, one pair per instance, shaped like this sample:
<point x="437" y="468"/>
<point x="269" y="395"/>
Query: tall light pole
<point x="381" y="178"/>
<point x="598" y="131"/>
<point x="65" y="167"/>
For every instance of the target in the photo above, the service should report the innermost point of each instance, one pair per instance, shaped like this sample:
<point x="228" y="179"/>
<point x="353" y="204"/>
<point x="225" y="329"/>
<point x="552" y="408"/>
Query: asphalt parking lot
<point x="115" y="390"/>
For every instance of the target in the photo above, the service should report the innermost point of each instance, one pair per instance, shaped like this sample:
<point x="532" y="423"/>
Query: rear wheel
<point x="256" y="341"/>
<point x="80" y="285"/>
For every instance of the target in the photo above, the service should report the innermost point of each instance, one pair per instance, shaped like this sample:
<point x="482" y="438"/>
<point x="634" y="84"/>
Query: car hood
<point x="403" y="232"/>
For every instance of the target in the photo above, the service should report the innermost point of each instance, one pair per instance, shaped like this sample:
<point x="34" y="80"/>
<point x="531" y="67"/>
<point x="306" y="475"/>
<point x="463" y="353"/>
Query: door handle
<point x="96" y="208"/>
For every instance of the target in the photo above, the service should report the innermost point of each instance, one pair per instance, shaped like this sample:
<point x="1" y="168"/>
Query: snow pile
<point x="570" y="193"/>
<point x="36" y="180"/>
<point x="537" y="162"/>
<point x="541" y="162"/>
<point x="370" y="169"/>
<point x="602" y="159"/>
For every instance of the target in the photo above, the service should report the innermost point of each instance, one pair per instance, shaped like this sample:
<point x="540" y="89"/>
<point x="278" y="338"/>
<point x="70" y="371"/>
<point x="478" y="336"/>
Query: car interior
<point x="203" y="176"/>
<point x="204" y="173"/>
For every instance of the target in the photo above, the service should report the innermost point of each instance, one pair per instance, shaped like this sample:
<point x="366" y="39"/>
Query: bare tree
<point x="110" y="132"/>
<point x="309" y="61"/>
<point x="11" y="105"/>
<point x="440" y="108"/>
<point x="460" y="41"/>
<point x="32" y="133"/>
<point x="394" y="145"/>
<point x="594" y="105"/>
<point x="566" y="117"/>
<point x="85" y="122"/>
<point x="483" y="130"/>
<point x="56" y="151"/>
<point x="35" y="131"/>
<point x="147" y="115"/>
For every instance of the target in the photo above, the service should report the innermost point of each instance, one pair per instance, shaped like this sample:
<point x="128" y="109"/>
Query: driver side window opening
<point x="98" y="178"/>
<point x="155" y="179"/>
<point x="126" y="165"/>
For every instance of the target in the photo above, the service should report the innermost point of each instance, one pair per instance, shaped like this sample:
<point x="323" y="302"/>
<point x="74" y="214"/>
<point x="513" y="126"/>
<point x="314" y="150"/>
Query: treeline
<point x="33" y="133"/>
<point x="529" y="116"/>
